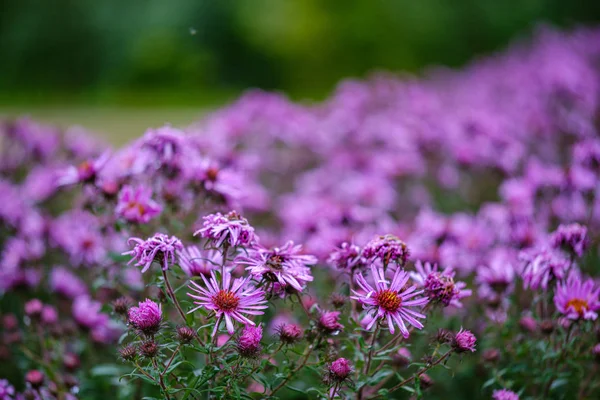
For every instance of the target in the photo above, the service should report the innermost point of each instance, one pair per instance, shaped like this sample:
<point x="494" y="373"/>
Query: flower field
<point x="406" y="238"/>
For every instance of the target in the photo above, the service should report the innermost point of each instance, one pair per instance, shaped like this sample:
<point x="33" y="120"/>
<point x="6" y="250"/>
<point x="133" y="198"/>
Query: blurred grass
<point x="115" y="125"/>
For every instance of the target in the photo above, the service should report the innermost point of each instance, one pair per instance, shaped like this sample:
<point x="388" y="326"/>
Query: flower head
<point x="195" y="263"/>
<point x="439" y="285"/>
<point x="159" y="247"/>
<point x="7" y="391"/>
<point x="231" y="228"/>
<point x="146" y="317"/>
<point x="572" y="237"/>
<point x="86" y="313"/>
<point x="577" y="299"/>
<point x="289" y="333"/>
<point x="542" y="266"/>
<point x="329" y="321"/>
<point x="248" y="343"/>
<point x="84" y="172"/>
<point x="339" y="370"/>
<point x="388" y="249"/>
<point x="390" y="302"/>
<point x="464" y="341"/>
<point x="185" y="334"/>
<point x="67" y="284"/>
<point x="505" y="394"/>
<point x="229" y="299"/>
<point x="284" y="265"/>
<point x="136" y="204"/>
<point x="346" y="257"/>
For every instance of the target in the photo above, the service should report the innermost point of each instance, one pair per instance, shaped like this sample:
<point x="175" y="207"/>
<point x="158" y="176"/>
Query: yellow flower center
<point x="579" y="305"/>
<point x="388" y="300"/>
<point x="226" y="300"/>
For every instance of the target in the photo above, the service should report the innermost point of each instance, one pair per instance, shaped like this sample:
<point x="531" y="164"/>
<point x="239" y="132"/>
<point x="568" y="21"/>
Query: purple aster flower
<point x="228" y="300"/>
<point x="390" y="302"/>
<point x="195" y="263"/>
<point x="67" y="284"/>
<point x="49" y="315"/>
<point x="329" y="321"/>
<point x="388" y="249"/>
<point x="347" y="257"/>
<point x="248" y="343"/>
<point x="289" y="333"/>
<point x="339" y="370"/>
<point x="231" y="228"/>
<point x="464" y="341"/>
<point x="504" y="394"/>
<point x="221" y="184"/>
<point x="439" y="285"/>
<point x="541" y="266"/>
<point x="146" y="317"/>
<point x="577" y="299"/>
<point x="85" y="172"/>
<point x="136" y="204"/>
<point x="34" y="307"/>
<point x="7" y="391"/>
<point x="572" y="237"/>
<point x="160" y="248"/>
<point x="283" y="265"/>
<point x="86" y="312"/>
<point x="496" y="278"/>
<point x="79" y="234"/>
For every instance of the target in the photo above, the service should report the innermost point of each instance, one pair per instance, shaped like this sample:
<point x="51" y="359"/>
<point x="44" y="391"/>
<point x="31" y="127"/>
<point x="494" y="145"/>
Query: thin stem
<point x="303" y="306"/>
<point x="144" y="372"/>
<point x="307" y="354"/>
<point x="334" y="390"/>
<point x="176" y="302"/>
<point x="170" y="360"/>
<point x="161" y="381"/>
<point x="417" y="375"/>
<point x="369" y="358"/>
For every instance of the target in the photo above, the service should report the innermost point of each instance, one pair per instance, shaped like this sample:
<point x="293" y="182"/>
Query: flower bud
<point x="121" y="305"/>
<point x="547" y="327"/>
<point x="338" y="300"/>
<point x="71" y="361"/>
<point x="329" y="321"/>
<point x="248" y="343"/>
<point x="35" y="378"/>
<point x="339" y="370"/>
<point x="128" y="352"/>
<point x="402" y="358"/>
<point x="443" y="336"/>
<point x="491" y="355"/>
<point x="185" y="334"/>
<point x="146" y="317"/>
<point x="464" y="341"/>
<point x="10" y="322"/>
<point x="149" y="349"/>
<point x="289" y="333"/>
<point x="33" y="308"/>
<point x="528" y="324"/>
<point x="425" y="381"/>
<point x="49" y="315"/>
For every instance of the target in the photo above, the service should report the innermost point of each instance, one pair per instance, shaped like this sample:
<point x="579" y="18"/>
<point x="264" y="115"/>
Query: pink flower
<point x="346" y="257"/>
<point x="195" y="263"/>
<point x="231" y="228"/>
<point x="289" y="333"/>
<point x="248" y="343"/>
<point x="439" y="285"/>
<point x="84" y="172"/>
<point x="389" y="302"/>
<point x="159" y="247"/>
<point x="229" y="299"/>
<point x="464" y="341"/>
<point x="340" y="370"/>
<point x="283" y="265"/>
<point x="572" y="237"/>
<point x="505" y="394"/>
<point x="136" y="204"/>
<point x="329" y="321"/>
<point x="542" y="266"/>
<point x="146" y="317"/>
<point x="388" y="249"/>
<point x="577" y="299"/>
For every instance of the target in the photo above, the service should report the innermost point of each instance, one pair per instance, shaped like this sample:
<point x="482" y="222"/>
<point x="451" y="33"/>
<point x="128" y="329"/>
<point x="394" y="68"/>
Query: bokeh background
<point x="118" y="66"/>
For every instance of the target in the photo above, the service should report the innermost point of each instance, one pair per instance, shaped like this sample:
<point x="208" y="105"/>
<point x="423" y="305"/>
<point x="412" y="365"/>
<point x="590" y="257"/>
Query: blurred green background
<point x="119" y="66"/>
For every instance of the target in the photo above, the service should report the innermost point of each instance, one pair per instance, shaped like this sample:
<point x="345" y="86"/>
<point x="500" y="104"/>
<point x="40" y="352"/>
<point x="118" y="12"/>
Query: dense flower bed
<point x="347" y="249"/>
